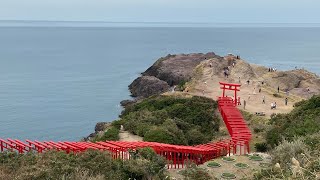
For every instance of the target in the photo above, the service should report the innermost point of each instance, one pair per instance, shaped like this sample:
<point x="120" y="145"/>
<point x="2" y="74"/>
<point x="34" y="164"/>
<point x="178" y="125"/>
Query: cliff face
<point x="176" y="68"/>
<point x="167" y="71"/>
<point x="146" y="86"/>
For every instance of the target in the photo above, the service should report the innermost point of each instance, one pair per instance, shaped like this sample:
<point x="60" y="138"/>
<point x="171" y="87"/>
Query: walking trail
<point x="208" y="85"/>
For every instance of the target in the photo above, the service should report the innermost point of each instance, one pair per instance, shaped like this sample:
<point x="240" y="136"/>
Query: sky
<point x="196" y="11"/>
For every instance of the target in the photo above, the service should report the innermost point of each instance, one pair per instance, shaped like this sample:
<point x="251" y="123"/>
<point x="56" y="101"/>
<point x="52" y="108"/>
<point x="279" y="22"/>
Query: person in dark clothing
<point x="278" y="89"/>
<point x="244" y="104"/>
<point x="286" y="101"/>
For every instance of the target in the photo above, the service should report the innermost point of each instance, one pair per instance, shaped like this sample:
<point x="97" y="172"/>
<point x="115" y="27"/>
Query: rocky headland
<point x="199" y="74"/>
<point x="172" y="70"/>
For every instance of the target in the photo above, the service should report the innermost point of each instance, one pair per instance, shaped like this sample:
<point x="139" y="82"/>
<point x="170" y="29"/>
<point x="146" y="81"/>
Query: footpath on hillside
<point x="251" y="94"/>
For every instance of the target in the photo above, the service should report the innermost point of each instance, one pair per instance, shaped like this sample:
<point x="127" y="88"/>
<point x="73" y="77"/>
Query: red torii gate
<point x="229" y="86"/>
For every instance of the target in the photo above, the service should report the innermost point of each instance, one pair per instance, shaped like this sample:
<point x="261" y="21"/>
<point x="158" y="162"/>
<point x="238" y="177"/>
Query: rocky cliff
<point x="167" y="71"/>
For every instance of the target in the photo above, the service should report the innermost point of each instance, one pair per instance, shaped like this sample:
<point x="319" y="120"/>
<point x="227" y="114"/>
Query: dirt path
<point x="126" y="136"/>
<point x="208" y="85"/>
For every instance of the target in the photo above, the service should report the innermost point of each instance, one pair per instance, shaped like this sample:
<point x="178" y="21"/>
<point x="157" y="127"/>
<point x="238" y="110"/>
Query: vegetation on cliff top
<point x="294" y="139"/>
<point x="172" y="119"/>
<point x="302" y="121"/>
<point x="92" y="164"/>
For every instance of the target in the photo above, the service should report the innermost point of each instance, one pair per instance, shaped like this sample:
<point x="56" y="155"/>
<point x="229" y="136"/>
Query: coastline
<point x="167" y="74"/>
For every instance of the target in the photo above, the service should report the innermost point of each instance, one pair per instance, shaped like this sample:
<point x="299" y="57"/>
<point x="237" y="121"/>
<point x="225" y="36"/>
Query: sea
<point x="58" y="79"/>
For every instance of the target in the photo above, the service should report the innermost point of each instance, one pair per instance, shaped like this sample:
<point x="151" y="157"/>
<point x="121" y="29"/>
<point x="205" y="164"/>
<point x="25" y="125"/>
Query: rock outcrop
<point x="99" y="128"/>
<point x="177" y="68"/>
<point x="146" y="86"/>
<point x="166" y="72"/>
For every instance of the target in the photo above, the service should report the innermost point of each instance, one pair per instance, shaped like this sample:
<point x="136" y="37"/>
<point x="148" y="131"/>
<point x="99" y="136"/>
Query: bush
<point x="261" y="147"/>
<point x="192" y="172"/>
<point x="117" y="123"/>
<point x="159" y="134"/>
<point x="181" y="86"/>
<point x="91" y="164"/>
<point x="179" y="120"/>
<point x="302" y="121"/>
<point x="112" y="134"/>
<point x="277" y="95"/>
<point x="194" y="136"/>
<point x="283" y="153"/>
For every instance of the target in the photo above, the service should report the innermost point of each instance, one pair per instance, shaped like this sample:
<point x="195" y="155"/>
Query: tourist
<point x="263" y="99"/>
<point x="275" y="105"/>
<point x="272" y="105"/>
<point x="278" y="89"/>
<point x="226" y="73"/>
<point x="239" y="80"/>
<point x="244" y="104"/>
<point x="239" y="102"/>
<point x="286" y="101"/>
<point x="248" y="81"/>
<point x="259" y="90"/>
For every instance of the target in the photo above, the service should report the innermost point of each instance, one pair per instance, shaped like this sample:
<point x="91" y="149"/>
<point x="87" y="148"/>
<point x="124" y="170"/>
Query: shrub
<point x="112" y="134"/>
<point x="302" y="121"/>
<point x="192" y="172"/>
<point x="261" y="147"/>
<point x="194" y="136"/>
<point x="276" y="95"/>
<point x="283" y="153"/>
<point x="159" y="134"/>
<point x="181" y="86"/>
<point x="179" y="120"/>
<point x="90" y="164"/>
<point x="117" y="123"/>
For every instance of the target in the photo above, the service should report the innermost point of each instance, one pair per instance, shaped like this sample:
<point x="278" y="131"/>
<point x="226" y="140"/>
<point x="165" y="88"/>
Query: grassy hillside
<point x="303" y="120"/>
<point x="172" y="119"/>
<point x="92" y="164"/>
<point x="295" y="142"/>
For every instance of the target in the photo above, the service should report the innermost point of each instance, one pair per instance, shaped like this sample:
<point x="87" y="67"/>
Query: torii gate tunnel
<point x="176" y="155"/>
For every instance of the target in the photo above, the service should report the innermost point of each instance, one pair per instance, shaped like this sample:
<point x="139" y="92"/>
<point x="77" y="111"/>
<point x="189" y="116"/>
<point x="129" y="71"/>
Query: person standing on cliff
<point x="278" y="89"/>
<point x="286" y="101"/>
<point x="244" y="104"/>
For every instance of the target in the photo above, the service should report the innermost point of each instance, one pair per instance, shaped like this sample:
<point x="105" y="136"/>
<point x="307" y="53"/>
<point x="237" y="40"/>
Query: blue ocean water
<point x="58" y="82"/>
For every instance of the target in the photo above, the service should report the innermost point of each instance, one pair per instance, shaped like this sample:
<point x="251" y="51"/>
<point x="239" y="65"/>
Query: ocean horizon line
<point x="52" y="23"/>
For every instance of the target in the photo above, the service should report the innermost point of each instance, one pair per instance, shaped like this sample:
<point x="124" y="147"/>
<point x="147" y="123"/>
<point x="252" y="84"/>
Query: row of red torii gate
<point x="176" y="155"/>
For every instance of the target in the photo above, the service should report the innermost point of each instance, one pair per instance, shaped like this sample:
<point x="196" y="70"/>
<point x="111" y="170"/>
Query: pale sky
<point x="211" y="11"/>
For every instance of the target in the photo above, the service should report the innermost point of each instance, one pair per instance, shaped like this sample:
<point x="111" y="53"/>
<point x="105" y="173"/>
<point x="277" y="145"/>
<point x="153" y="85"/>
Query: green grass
<point x="241" y="165"/>
<point x="255" y="157"/>
<point x="265" y="165"/>
<point x="227" y="175"/>
<point x="228" y="159"/>
<point x="173" y="120"/>
<point x="213" y="164"/>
